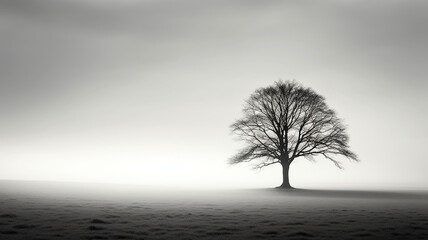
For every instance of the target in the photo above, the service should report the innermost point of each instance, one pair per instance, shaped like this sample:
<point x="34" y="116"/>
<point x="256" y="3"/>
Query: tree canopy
<point x="286" y="121"/>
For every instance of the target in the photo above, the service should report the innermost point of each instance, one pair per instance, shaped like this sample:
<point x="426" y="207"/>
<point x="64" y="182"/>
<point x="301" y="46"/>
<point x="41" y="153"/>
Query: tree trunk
<point x="285" y="176"/>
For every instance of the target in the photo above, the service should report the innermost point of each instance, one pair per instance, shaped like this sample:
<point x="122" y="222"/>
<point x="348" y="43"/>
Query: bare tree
<point x="287" y="121"/>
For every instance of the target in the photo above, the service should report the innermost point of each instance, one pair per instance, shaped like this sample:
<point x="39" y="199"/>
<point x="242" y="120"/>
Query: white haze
<point x="143" y="92"/>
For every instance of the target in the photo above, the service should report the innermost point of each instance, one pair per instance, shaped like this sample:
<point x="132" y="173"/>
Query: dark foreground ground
<point x="66" y="211"/>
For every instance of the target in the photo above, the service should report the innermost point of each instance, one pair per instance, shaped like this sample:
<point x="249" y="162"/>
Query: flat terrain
<point x="72" y="211"/>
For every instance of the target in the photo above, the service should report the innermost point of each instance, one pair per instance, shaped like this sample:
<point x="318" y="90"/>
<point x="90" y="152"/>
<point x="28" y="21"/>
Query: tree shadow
<point x="375" y="194"/>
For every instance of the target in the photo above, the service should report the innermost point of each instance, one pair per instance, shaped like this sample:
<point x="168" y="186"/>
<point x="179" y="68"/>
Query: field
<point x="30" y="210"/>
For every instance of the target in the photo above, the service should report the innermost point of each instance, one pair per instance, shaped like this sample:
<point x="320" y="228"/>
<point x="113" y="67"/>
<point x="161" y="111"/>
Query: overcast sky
<point x="144" y="91"/>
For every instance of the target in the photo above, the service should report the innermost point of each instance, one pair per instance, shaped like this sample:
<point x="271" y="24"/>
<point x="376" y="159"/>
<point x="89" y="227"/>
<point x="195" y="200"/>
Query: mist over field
<point x="143" y="92"/>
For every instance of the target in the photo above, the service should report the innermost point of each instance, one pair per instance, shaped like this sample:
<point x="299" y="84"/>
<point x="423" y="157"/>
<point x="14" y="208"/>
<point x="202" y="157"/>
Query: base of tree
<point x="285" y="187"/>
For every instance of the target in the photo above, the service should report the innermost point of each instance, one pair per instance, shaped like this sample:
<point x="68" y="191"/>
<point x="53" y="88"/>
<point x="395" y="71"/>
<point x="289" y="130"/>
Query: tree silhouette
<point x="287" y="121"/>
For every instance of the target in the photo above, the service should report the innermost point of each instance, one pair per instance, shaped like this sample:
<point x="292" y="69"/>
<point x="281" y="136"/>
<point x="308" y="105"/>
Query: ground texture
<point x="34" y="213"/>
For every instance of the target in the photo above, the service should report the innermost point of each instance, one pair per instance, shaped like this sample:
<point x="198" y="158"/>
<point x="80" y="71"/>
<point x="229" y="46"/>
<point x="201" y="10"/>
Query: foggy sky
<point x="145" y="91"/>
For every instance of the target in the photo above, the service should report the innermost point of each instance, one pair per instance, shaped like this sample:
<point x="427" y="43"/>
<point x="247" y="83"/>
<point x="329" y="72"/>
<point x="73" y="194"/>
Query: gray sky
<point x="144" y="91"/>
